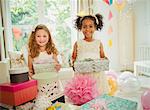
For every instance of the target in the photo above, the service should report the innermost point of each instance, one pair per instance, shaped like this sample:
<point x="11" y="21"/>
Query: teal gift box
<point x="106" y="102"/>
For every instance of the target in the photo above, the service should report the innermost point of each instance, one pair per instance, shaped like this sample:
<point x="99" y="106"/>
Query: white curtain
<point x="126" y="40"/>
<point x="85" y="6"/>
<point x="2" y="47"/>
<point x="7" y="26"/>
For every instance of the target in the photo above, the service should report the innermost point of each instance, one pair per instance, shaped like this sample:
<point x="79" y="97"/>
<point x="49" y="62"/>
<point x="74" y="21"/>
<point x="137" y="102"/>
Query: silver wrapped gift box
<point x="46" y="67"/>
<point x="90" y="65"/>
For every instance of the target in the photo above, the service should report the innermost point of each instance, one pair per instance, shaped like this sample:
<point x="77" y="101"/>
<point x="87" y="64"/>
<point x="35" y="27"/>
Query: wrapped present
<point x="44" y="67"/>
<point x="26" y="106"/>
<point x="63" y="106"/>
<point x="46" y="77"/>
<point x="18" y="68"/>
<point x="90" y="65"/>
<point x="5" y="107"/>
<point x="15" y="94"/>
<point x="19" y="75"/>
<point x="41" y="103"/>
<point x="50" y="85"/>
<point x="52" y="91"/>
<point x="106" y="102"/>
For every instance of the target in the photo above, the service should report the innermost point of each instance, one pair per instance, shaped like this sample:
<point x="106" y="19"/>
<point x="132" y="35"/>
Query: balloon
<point x="119" y="1"/>
<point x="113" y="86"/>
<point x="145" y="100"/>
<point x="109" y="2"/>
<point x="129" y="85"/>
<point x="106" y="1"/>
<point x="120" y="4"/>
<point x="112" y="74"/>
<point x="125" y="75"/>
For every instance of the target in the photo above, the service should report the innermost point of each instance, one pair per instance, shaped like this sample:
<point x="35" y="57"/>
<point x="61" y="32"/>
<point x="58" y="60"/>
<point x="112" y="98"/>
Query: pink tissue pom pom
<point x="81" y="89"/>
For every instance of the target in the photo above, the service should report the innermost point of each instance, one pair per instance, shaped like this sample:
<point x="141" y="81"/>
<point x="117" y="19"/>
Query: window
<point x="55" y="14"/>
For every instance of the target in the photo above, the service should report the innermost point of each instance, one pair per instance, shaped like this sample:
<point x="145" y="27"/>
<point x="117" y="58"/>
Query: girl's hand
<point x="30" y="75"/>
<point x="57" y="67"/>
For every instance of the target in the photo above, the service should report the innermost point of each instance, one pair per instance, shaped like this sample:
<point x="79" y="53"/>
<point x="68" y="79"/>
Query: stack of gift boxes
<point x="20" y="89"/>
<point x="15" y="94"/>
<point x="104" y="101"/>
<point x="48" y="82"/>
<point x="49" y="86"/>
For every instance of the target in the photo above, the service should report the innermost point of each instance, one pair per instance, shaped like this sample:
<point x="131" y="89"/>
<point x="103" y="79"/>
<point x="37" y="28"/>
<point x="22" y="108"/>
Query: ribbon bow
<point x="101" y="105"/>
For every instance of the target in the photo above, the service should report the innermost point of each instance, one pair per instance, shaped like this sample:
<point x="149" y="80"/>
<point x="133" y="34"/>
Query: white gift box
<point x="46" y="67"/>
<point x="49" y="85"/>
<point x="90" y="65"/>
<point x="46" y="77"/>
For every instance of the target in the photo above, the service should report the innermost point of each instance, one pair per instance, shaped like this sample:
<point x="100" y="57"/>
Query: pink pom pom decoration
<point x="81" y="89"/>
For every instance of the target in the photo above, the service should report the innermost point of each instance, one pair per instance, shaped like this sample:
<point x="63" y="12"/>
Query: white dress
<point x="43" y="58"/>
<point x="44" y="63"/>
<point x="86" y="50"/>
<point x="53" y="89"/>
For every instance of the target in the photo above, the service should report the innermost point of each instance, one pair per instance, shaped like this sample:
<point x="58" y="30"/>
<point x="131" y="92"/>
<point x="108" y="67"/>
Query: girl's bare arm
<point x="30" y="65"/>
<point x="74" y="53"/>
<point x="57" y="65"/>
<point x="102" y="54"/>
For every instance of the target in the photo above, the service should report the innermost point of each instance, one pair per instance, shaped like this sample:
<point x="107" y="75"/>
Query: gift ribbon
<point x="99" y="105"/>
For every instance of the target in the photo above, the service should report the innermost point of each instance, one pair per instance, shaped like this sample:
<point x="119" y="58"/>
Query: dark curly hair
<point x="97" y="19"/>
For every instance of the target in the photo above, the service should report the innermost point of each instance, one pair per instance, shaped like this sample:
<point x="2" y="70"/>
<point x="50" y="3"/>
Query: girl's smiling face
<point x="41" y="37"/>
<point x="88" y="28"/>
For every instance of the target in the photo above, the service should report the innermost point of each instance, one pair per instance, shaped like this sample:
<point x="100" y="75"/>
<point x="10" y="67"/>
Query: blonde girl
<point x="41" y="48"/>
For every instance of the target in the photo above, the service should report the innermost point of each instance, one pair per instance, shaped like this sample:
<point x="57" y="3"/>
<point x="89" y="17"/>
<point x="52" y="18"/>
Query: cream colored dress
<point x="44" y="63"/>
<point x="43" y="58"/>
<point x="51" y="89"/>
<point x="86" y="50"/>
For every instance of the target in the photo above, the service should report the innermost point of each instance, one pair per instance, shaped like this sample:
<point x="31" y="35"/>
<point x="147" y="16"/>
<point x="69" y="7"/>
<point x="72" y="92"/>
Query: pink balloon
<point x="145" y="100"/>
<point x="119" y="1"/>
<point x="112" y="74"/>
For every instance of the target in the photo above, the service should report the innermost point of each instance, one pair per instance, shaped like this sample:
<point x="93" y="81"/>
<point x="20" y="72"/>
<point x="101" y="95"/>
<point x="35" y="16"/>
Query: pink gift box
<point x="18" y="93"/>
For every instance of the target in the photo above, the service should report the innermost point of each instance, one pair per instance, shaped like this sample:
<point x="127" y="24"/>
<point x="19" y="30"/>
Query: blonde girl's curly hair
<point x="34" y="47"/>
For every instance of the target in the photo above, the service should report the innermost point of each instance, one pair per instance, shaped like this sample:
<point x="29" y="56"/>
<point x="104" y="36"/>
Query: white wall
<point x="131" y="28"/>
<point x="142" y="24"/>
<point x="111" y="52"/>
